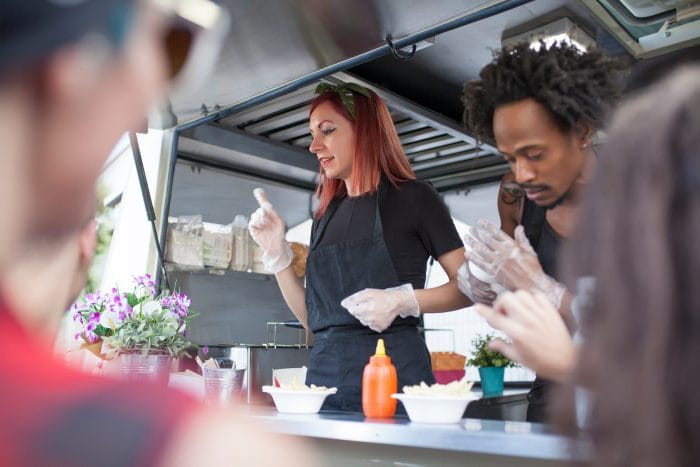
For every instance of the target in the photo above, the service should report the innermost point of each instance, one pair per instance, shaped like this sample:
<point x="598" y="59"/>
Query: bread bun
<point x="447" y="361"/>
<point x="299" y="254"/>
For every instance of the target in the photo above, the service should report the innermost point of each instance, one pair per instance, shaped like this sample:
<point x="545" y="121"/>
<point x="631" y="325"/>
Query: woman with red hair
<point x="373" y="232"/>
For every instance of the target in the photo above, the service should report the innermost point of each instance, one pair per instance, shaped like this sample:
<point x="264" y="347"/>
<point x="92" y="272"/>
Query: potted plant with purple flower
<point x="145" y="328"/>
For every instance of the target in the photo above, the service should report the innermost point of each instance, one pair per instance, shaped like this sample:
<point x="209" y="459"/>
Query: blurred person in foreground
<point x="73" y="77"/>
<point x="542" y="108"/>
<point x="642" y="322"/>
<point x="61" y="266"/>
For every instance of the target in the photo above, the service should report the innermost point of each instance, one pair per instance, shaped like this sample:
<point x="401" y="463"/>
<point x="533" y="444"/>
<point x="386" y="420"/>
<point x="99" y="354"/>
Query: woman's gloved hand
<point x="477" y="290"/>
<point x="512" y="262"/>
<point x="267" y="229"/>
<point x="377" y="308"/>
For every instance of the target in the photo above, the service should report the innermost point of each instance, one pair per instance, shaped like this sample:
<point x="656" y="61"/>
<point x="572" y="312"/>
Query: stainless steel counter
<point x="479" y="442"/>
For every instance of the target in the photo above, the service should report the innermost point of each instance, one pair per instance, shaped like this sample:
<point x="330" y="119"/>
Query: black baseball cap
<point x="31" y="30"/>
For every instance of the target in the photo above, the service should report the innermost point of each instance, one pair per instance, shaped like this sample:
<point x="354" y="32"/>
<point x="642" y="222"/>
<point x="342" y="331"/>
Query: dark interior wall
<point x="219" y="195"/>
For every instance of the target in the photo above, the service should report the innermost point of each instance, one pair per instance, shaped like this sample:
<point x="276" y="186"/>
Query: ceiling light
<point x="562" y="30"/>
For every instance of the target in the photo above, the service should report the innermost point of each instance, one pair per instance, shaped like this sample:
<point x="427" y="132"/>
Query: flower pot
<point x="491" y="380"/>
<point x="447" y="376"/>
<point x="153" y="366"/>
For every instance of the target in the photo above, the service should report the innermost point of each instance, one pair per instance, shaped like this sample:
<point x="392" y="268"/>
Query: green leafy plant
<point x="141" y="320"/>
<point x="482" y="356"/>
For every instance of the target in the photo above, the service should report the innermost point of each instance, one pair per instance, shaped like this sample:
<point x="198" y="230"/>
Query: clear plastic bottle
<point x="241" y="244"/>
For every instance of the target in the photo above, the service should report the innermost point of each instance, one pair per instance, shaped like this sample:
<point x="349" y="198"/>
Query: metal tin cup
<point x="221" y="385"/>
<point x="150" y="367"/>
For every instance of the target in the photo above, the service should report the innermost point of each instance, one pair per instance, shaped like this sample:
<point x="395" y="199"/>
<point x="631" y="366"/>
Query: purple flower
<point x="93" y="298"/>
<point x="177" y="303"/>
<point x="183" y="303"/>
<point x="77" y="316"/>
<point x="119" y="304"/>
<point x="146" y="281"/>
<point x="111" y="310"/>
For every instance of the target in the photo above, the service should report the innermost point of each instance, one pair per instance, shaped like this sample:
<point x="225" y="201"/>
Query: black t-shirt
<point x="547" y="244"/>
<point x="544" y="240"/>
<point x="416" y="224"/>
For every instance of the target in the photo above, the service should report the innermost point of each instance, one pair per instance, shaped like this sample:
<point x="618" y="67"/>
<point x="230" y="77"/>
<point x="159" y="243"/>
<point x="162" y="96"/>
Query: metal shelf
<point x="174" y="267"/>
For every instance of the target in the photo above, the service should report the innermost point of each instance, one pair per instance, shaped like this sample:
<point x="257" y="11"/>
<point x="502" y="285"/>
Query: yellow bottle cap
<point x="380" y="348"/>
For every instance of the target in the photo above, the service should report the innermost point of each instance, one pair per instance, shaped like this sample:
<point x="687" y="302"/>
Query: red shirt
<point x="53" y="415"/>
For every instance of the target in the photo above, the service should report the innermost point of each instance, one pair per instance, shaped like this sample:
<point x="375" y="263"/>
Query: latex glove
<point x="377" y="308"/>
<point x="538" y="336"/>
<point x="512" y="262"/>
<point x="267" y="229"/>
<point x="478" y="291"/>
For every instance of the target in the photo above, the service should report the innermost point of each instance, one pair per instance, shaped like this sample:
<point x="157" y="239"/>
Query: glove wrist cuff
<point x="553" y="290"/>
<point x="275" y="264"/>
<point x="412" y="307"/>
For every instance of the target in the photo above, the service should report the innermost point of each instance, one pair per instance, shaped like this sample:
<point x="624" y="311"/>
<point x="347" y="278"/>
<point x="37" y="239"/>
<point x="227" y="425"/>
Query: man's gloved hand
<point x="477" y="290"/>
<point x="267" y="229"/>
<point x="512" y="262"/>
<point x="377" y="308"/>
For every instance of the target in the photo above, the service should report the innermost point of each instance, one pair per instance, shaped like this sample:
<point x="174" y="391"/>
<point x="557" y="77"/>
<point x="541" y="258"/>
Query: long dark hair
<point x="638" y="236"/>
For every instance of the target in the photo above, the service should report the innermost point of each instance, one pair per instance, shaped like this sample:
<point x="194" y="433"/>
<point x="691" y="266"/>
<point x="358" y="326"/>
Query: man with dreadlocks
<point x="542" y="108"/>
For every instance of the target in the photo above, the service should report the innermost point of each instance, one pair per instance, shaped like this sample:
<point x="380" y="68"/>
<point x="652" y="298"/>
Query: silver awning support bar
<point x="454" y="23"/>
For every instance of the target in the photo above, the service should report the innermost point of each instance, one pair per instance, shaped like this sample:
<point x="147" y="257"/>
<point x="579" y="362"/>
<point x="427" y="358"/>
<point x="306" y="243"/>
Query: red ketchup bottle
<point x="379" y="382"/>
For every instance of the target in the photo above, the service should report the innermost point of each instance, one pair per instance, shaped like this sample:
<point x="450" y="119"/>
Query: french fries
<point x="296" y="385"/>
<point x="455" y="388"/>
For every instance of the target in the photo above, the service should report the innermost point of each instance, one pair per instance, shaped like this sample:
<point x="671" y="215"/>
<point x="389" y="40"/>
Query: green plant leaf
<point x="482" y="356"/>
<point x="103" y="331"/>
<point x="356" y="88"/>
<point x="324" y="87"/>
<point x="132" y="299"/>
<point x="345" y="93"/>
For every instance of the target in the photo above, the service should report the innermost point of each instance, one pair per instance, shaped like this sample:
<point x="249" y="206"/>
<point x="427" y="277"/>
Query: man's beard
<point x="559" y="201"/>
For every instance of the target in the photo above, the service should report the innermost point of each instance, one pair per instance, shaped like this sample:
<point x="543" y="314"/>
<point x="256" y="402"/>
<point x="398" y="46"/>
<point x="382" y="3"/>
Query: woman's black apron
<point x="342" y="345"/>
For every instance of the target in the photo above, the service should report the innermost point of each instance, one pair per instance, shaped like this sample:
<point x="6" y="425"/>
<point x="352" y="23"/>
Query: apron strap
<point x="323" y="222"/>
